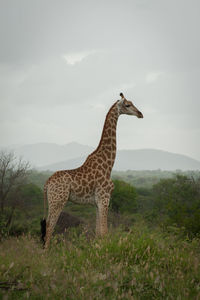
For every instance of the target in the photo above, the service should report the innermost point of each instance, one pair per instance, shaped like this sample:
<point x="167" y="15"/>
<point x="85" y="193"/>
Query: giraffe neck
<point x="107" y="145"/>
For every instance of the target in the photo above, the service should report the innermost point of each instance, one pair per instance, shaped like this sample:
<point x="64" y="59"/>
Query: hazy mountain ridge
<point x="153" y="159"/>
<point x="47" y="156"/>
<point x="142" y="159"/>
<point x="41" y="154"/>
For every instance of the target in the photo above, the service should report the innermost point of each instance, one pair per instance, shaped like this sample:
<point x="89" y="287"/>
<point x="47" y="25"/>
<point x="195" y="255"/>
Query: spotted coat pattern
<point x="89" y="183"/>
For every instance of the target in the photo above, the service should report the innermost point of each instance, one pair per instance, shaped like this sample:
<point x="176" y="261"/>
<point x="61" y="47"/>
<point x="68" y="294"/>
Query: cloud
<point x="98" y="106"/>
<point x="77" y="57"/>
<point x="65" y="63"/>
<point x="153" y="76"/>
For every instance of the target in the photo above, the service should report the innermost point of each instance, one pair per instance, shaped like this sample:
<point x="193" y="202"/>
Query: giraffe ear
<point x="122" y="95"/>
<point x="122" y="99"/>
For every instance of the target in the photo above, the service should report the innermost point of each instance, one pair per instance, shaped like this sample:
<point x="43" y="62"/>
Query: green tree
<point x="31" y="195"/>
<point x="123" y="198"/>
<point x="179" y="200"/>
<point x="13" y="172"/>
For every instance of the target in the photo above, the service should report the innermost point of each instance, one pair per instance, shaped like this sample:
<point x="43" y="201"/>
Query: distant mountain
<point x="48" y="153"/>
<point x="152" y="159"/>
<point x="65" y="165"/>
<point x="143" y="159"/>
<point x="47" y="156"/>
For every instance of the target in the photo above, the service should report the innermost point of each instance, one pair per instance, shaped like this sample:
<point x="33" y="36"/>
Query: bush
<point x="123" y="198"/>
<point x="19" y="218"/>
<point x="31" y="195"/>
<point x="178" y="199"/>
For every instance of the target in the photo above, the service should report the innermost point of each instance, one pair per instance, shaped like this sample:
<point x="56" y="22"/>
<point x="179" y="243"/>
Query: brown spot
<point x="91" y="184"/>
<point x="104" y="165"/>
<point x="84" y="182"/>
<point x="100" y="168"/>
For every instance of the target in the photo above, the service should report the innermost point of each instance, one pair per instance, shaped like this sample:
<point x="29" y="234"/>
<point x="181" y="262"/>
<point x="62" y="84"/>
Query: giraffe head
<point x="126" y="107"/>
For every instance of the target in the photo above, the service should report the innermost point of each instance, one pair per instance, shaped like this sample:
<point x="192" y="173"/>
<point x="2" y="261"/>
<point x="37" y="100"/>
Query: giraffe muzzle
<point x="139" y="114"/>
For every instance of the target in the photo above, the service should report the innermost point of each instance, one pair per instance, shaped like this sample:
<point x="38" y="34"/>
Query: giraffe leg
<point x="51" y="223"/>
<point x="97" y="222"/>
<point x="103" y="216"/>
<point x="55" y="208"/>
<point x="102" y="201"/>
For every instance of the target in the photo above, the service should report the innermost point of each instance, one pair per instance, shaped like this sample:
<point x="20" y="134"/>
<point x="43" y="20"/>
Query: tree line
<point x="171" y="201"/>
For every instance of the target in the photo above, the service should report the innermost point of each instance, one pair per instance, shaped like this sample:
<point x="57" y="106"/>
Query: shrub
<point x="179" y="200"/>
<point x="123" y="198"/>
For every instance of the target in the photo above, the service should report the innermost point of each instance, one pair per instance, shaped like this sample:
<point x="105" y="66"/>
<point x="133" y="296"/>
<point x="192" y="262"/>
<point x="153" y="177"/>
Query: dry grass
<point x="139" y="264"/>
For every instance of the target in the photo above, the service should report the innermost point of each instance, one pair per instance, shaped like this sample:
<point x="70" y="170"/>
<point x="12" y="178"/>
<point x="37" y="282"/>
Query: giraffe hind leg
<point x="54" y="213"/>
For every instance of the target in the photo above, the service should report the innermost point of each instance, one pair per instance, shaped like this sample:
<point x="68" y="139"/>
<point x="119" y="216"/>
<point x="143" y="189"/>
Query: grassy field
<point x="141" y="263"/>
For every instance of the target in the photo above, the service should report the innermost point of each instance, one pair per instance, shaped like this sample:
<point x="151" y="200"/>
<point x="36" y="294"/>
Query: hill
<point x="152" y="159"/>
<point x="48" y="153"/>
<point x="143" y="159"/>
<point x="49" y="156"/>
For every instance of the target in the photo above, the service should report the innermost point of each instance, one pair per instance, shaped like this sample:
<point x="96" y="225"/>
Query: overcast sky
<point x="63" y="64"/>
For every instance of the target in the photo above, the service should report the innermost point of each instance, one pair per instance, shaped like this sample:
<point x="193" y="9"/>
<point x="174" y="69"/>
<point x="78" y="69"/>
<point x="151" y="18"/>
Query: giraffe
<point x="90" y="183"/>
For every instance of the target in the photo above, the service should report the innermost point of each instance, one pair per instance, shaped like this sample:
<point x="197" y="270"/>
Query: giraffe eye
<point x="128" y="105"/>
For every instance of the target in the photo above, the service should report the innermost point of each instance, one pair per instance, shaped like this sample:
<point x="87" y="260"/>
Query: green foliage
<point x="140" y="264"/>
<point x="21" y="218"/>
<point x="141" y="179"/>
<point x="144" y="200"/>
<point x="123" y="198"/>
<point x="178" y="199"/>
<point x="4" y="230"/>
<point x="31" y="194"/>
<point x="38" y="178"/>
<point x="148" y="178"/>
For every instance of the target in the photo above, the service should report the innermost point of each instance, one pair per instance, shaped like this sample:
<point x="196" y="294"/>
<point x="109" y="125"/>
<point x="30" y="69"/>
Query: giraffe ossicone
<point x="91" y="182"/>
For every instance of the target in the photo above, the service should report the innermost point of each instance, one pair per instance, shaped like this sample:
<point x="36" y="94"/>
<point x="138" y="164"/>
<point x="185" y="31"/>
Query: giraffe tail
<point x="43" y="221"/>
<point x="43" y="230"/>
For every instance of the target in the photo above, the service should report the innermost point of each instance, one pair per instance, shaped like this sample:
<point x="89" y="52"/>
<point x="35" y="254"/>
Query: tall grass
<point x="139" y="264"/>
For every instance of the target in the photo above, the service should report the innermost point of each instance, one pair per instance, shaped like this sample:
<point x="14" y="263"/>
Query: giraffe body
<point x="90" y="183"/>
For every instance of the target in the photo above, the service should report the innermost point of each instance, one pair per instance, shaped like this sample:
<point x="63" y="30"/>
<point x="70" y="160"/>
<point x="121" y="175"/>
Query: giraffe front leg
<point x="103" y="219"/>
<point x="102" y="214"/>
<point x="97" y="222"/>
<point x="102" y="199"/>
